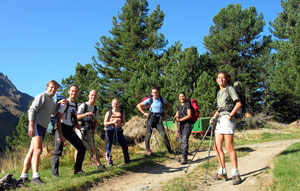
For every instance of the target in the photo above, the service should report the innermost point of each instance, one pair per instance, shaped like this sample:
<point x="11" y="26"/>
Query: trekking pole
<point x="196" y="151"/>
<point x="211" y="135"/>
<point x="177" y="144"/>
<point x="116" y="129"/>
<point x="84" y="141"/>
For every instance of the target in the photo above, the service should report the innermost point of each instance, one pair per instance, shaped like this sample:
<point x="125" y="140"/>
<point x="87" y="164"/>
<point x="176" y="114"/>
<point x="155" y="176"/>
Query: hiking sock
<point x="235" y="172"/>
<point x="35" y="175"/>
<point x="224" y="171"/>
<point x="220" y="171"/>
<point x="24" y="175"/>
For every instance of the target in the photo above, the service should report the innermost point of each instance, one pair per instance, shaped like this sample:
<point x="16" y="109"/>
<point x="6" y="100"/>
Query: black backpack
<point x="239" y="90"/>
<point x="88" y="120"/>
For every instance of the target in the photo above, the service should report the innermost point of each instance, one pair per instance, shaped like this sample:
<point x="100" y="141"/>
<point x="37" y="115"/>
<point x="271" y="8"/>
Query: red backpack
<point x="195" y="110"/>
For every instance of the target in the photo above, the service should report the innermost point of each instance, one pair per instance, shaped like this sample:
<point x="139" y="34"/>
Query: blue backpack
<point x="52" y="123"/>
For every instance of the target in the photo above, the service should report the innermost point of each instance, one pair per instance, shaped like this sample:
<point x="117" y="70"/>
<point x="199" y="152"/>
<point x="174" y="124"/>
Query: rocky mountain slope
<point x="12" y="104"/>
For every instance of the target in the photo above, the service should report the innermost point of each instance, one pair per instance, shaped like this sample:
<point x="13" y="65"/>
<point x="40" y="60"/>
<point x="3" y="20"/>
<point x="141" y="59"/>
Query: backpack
<point x="195" y="110"/>
<point x="239" y="90"/>
<point x="148" y="106"/>
<point x="52" y="123"/>
<point x="88" y="119"/>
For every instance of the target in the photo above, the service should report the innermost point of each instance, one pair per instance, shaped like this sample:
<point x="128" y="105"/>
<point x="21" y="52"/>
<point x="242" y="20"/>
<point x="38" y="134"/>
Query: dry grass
<point x="12" y="160"/>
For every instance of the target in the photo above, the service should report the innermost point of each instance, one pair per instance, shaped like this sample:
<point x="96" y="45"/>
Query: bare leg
<point x="231" y="151"/>
<point x="96" y="157"/>
<point x="37" y="151"/>
<point x="218" y="147"/>
<point x="27" y="160"/>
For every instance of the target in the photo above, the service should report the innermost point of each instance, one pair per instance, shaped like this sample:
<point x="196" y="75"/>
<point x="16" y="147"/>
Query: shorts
<point x="39" y="130"/>
<point x="89" y="141"/>
<point x="225" y="126"/>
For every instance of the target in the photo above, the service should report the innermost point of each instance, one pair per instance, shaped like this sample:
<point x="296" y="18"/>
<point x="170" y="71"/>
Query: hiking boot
<point x="37" y="181"/>
<point x="220" y="177"/>
<point x="25" y="180"/>
<point x="101" y="167"/>
<point x="236" y="180"/>
<point x="149" y="153"/>
<point x="184" y="161"/>
<point x="81" y="172"/>
<point x="55" y="175"/>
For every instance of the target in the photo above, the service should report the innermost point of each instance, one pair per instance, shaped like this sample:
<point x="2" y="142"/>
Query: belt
<point x="227" y="110"/>
<point x="156" y="114"/>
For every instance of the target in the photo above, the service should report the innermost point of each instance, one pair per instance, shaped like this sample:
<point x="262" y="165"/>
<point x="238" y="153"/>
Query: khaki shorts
<point x="89" y="141"/>
<point x="225" y="126"/>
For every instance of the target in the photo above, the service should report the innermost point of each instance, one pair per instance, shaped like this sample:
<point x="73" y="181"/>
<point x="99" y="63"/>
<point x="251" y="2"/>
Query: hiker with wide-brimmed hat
<point x="225" y="126"/>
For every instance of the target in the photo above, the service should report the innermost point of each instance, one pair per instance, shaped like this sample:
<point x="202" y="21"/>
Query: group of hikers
<point x="77" y="124"/>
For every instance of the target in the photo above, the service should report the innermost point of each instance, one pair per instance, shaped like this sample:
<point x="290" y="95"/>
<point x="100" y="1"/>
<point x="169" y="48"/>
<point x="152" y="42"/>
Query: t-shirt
<point x="182" y="111"/>
<point x="226" y="102"/>
<point x="66" y="119"/>
<point x="156" y="106"/>
<point x="89" y="109"/>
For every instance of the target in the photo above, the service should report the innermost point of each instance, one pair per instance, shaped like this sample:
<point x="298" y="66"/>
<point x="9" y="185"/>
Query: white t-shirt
<point x="89" y="109"/>
<point x="62" y="109"/>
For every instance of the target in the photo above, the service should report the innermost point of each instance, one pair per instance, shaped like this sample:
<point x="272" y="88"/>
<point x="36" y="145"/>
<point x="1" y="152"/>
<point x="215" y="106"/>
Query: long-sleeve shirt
<point x="41" y="109"/>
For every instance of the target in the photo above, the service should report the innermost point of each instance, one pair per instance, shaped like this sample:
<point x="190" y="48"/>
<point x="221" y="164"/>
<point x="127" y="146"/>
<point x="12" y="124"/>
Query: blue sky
<point x="42" y="40"/>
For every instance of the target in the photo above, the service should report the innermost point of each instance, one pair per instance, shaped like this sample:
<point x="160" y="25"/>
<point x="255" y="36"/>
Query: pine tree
<point x="20" y="137"/>
<point x="86" y="78"/>
<point x="284" y="81"/>
<point x="205" y="94"/>
<point x="236" y="47"/>
<point x="134" y="36"/>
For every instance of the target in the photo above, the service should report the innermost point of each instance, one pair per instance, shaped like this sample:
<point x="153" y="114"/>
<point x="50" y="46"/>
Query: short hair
<point x="74" y="86"/>
<point x="114" y="99"/>
<point x="52" y="82"/>
<point x="228" y="77"/>
<point x="93" y="90"/>
<point x="155" y="88"/>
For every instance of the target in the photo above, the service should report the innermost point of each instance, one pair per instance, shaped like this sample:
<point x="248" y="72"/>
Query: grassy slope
<point x="68" y="181"/>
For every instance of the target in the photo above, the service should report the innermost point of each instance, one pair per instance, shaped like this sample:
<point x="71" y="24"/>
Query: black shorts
<point x="39" y="131"/>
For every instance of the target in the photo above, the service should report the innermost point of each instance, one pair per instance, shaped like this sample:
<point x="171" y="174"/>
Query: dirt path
<point x="251" y="168"/>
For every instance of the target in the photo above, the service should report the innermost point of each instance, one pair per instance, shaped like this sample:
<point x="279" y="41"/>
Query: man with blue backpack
<point x="66" y="122"/>
<point x="155" y="105"/>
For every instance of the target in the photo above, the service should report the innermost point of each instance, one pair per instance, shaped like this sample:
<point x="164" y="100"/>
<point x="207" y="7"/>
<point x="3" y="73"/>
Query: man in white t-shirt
<point x="66" y="121"/>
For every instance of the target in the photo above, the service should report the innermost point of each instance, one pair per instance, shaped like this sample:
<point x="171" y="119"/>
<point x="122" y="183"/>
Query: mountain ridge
<point x="12" y="104"/>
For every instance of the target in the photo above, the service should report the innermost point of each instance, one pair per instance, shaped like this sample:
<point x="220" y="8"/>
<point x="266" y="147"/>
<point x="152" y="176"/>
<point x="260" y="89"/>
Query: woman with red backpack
<point x="184" y="117"/>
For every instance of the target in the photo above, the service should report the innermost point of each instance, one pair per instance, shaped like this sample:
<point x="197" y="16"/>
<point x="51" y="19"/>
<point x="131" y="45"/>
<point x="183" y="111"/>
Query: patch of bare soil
<point x="252" y="168"/>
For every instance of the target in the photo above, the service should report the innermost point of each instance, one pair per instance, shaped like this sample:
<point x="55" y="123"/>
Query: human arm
<point x="167" y="107"/>
<point x="214" y="116"/>
<point x="31" y="128"/>
<point x="122" y="120"/>
<point x="106" y="122"/>
<point x="140" y="108"/>
<point x="237" y="106"/>
<point x="188" y="116"/>
<point x="59" y="128"/>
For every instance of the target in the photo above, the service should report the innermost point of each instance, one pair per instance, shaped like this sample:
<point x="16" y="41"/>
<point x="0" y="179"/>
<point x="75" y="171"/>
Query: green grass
<point x="286" y="171"/>
<point x="192" y="181"/>
<point x="68" y="181"/>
